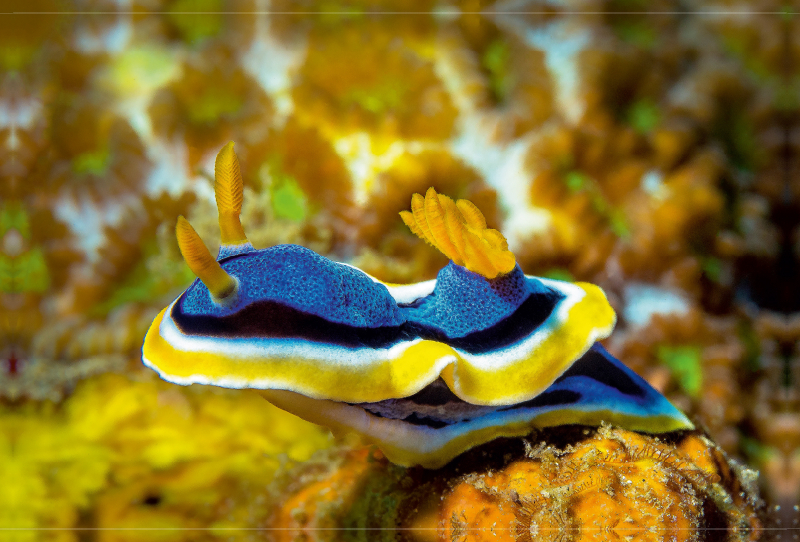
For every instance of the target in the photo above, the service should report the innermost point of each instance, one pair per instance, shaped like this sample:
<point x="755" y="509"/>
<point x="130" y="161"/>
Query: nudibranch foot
<point x="433" y="426"/>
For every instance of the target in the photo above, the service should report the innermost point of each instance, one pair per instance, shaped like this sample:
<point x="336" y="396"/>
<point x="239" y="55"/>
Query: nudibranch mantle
<point x="329" y="331"/>
<point x="425" y="371"/>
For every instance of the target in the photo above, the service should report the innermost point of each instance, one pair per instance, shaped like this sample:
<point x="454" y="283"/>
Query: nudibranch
<point x="424" y="371"/>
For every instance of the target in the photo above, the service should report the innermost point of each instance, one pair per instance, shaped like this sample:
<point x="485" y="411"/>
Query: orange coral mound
<point x="617" y="485"/>
<point x="605" y="484"/>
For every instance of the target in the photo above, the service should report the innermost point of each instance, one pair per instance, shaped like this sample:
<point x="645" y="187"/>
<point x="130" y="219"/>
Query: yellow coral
<point x="153" y="456"/>
<point x="458" y="230"/>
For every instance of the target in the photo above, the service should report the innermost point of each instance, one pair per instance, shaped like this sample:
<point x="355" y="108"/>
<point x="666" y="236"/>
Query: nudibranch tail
<point x="458" y="230"/>
<point x="228" y="191"/>
<point x="434" y="426"/>
<point x="221" y="285"/>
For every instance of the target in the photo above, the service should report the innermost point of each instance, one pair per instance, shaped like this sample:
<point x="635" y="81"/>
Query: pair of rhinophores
<point x="424" y="371"/>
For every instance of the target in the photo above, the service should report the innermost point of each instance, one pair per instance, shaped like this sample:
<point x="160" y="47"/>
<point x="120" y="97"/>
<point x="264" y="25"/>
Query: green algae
<point x="288" y="199"/>
<point x="644" y="116"/>
<point x="685" y="363"/>
<point x="196" y="20"/>
<point x="92" y="163"/>
<point x="496" y="61"/>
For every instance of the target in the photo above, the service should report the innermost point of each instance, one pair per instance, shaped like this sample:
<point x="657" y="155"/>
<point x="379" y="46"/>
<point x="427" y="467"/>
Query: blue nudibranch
<point x="425" y="371"/>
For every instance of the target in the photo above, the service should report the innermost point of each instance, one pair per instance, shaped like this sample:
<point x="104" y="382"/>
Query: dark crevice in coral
<point x="152" y="500"/>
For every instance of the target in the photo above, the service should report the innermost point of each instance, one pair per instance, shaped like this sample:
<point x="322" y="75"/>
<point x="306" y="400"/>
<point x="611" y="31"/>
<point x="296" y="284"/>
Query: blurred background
<point x="650" y="147"/>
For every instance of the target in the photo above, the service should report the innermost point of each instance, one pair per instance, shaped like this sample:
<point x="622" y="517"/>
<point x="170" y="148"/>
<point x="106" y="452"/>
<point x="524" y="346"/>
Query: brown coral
<point x="197" y="23"/>
<point x="696" y="360"/>
<point x="304" y="176"/>
<point x="367" y="81"/>
<point x="93" y="152"/>
<point x="775" y="415"/>
<point x="499" y="73"/>
<point x="214" y="101"/>
<point x="292" y="20"/>
<point x="121" y="269"/>
<point x="600" y="181"/>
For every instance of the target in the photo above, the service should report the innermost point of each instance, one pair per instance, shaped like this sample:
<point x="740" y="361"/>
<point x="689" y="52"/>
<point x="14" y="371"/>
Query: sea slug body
<point x="424" y="371"/>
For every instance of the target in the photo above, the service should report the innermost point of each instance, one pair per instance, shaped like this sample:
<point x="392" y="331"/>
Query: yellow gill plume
<point x="458" y="230"/>
<point x="228" y="191"/>
<point x="221" y="285"/>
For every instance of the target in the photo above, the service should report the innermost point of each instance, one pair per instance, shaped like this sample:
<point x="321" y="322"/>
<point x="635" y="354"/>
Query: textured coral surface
<point x="648" y="147"/>
<point x="561" y="484"/>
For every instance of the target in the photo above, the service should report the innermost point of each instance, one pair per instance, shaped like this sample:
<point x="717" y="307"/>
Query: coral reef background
<point x="649" y="147"/>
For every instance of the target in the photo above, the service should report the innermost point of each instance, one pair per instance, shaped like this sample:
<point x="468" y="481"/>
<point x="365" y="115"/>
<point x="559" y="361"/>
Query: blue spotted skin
<point x="464" y="302"/>
<point x="301" y="279"/>
<point x="226" y="251"/>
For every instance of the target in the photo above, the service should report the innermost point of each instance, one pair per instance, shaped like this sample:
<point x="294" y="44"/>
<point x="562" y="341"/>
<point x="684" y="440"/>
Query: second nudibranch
<point x="425" y="371"/>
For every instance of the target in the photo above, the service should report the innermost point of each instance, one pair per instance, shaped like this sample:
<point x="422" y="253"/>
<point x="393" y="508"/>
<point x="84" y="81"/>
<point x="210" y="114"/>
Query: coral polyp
<point x="211" y="101"/>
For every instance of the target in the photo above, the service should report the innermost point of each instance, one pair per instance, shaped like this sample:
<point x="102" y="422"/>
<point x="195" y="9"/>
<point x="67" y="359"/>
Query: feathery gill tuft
<point x="458" y="230"/>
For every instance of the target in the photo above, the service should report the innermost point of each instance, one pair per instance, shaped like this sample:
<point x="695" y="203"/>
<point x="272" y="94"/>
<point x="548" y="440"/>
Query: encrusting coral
<point x="641" y="228"/>
<point x="155" y="456"/>
<point x="293" y="22"/>
<point x="499" y="73"/>
<point x="567" y="483"/>
<point x="775" y="412"/>
<point x="99" y="156"/>
<point x="121" y="275"/>
<point x="696" y="360"/>
<point x="301" y="190"/>
<point x="197" y="23"/>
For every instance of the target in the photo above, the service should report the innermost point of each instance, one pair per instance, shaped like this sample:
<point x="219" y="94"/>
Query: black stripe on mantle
<point x="275" y="320"/>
